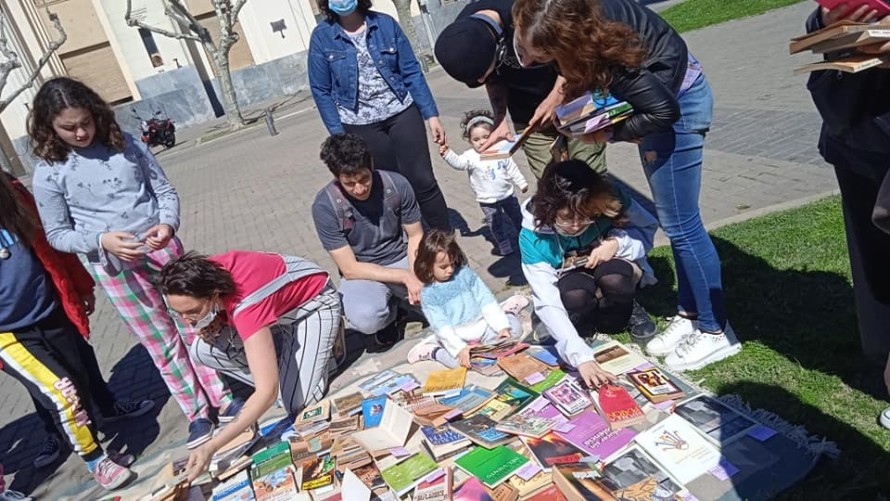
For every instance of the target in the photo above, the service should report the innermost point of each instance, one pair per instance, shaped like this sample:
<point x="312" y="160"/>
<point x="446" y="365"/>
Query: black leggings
<point x="600" y="298"/>
<point x="399" y="144"/>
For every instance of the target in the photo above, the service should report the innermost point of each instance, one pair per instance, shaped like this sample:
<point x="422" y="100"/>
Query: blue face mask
<point x="343" y="7"/>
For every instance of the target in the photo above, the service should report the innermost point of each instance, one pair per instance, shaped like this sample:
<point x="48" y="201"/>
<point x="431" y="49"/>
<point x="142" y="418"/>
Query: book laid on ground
<point x="497" y="351"/>
<point x="526" y="426"/>
<point x="481" y="430"/>
<point x="393" y="431"/>
<point x="370" y="475"/>
<point x="491" y="466"/>
<point x="405" y="475"/>
<point x="319" y="412"/>
<point x="526" y="488"/>
<point x="237" y="488"/>
<point x="318" y="474"/>
<point x="469" y="399"/>
<point x="677" y="447"/>
<point x="568" y="397"/>
<point x="372" y="411"/>
<point x="445" y="383"/>
<point x="353" y="489"/>
<point x="550" y="493"/>
<point x="579" y="481"/>
<point x="655" y="385"/>
<point x="438" y="489"/>
<point x="551" y="449"/>
<point x="506" y="149"/>
<point x="633" y="466"/>
<point x="503" y="492"/>
<point x="443" y="442"/>
<point x="231" y="457"/>
<point x="471" y="490"/>
<point x="616" y="358"/>
<point x="718" y="423"/>
<point x="522" y="365"/>
<point x="616" y="405"/>
<point x="349" y="405"/>
<point x="273" y="474"/>
<point x="593" y="435"/>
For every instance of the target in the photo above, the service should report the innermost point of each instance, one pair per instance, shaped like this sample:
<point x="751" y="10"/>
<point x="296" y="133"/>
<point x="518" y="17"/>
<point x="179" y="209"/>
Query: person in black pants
<point x="855" y="139"/>
<point x="366" y="81"/>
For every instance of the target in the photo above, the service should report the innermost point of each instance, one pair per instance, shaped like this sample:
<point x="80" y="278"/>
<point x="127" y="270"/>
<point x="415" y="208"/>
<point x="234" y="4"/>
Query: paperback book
<point x="481" y="430"/>
<point x="470" y="398"/>
<point x="655" y="385"/>
<point x="620" y="409"/>
<point x="442" y="441"/>
<point x="393" y="431"/>
<point x="404" y="476"/>
<point x="349" y="405"/>
<point x="236" y="488"/>
<point x="445" y="383"/>
<point x="273" y="474"/>
<point x="634" y="466"/>
<point x="551" y="449"/>
<point x="318" y="474"/>
<point x="372" y="411"/>
<point x="526" y="426"/>
<point x="720" y="424"/>
<point x="491" y="466"/>
<point x="676" y="446"/>
<point x="593" y="435"/>
<point x="616" y="358"/>
<point x="568" y="397"/>
<point x="578" y="481"/>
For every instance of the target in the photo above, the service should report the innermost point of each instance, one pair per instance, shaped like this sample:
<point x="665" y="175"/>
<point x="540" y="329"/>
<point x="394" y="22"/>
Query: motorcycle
<point x="157" y="130"/>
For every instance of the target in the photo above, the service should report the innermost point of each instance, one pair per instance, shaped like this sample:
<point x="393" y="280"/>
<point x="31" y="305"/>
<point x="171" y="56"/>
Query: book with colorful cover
<point x="481" y="430"/>
<point x="318" y="474"/>
<point x="542" y="408"/>
<point x="545" y="354"/>
<point x="372" y="411"/>
<point x="656" y="385"/>
<point x="442" y="441"/>
<point x="551" y="449"/>
<point x="720" y="424"/>
<point x="404" y="476"/>
<point x="318" y="412"/>
<point x="552" y="377"/>
<point x="618" y="407"/>
<point x="495" y="352"/>
<point x="578" y="481"/>
<point x="349" y="405"/>
<point x="526" y="426"/>
<point x="495" y="409"/>
<point x="679" y="448"/>
<point x="583" y="107"/>
<point x="522" y="365"/>
<point x="396" y="384"/>
<point x="393" y="431"/>
<point x="616" y="358"/>
<point x="526" y="488"/>
<point x="377" y="380"/>
<point x="568" y="397"/>
<point x="470" y="398"/>
<point x="438" y="489"/>
<point x="593" y="435"/>
<point x="273" y="474"/>
<point x="236" y="488"/>
<point x="503" y="492"/>
<point x="491" y="466"/>
<point x="446" y="382"/>
<point x="633" y="466"/>
<point x="512" y="394"/>
<point x="471" y="490"/>
<point x="549" y="493"/>
<point x="485" y="366"/>
<point x="370" y="476"/>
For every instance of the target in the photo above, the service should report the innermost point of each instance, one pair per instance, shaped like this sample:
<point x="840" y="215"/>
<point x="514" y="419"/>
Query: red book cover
<point x="618" y="407"/>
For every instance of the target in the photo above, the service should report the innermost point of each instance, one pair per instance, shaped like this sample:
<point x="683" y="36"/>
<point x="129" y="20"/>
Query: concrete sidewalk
<point x="248" y="190"/>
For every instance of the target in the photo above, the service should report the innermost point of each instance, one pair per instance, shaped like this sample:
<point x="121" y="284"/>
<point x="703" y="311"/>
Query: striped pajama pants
<point x="141" y="306"/>
<point x="304" y="338"/>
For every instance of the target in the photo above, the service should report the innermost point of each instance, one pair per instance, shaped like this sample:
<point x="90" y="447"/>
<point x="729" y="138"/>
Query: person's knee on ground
<point x="368" y="316"/>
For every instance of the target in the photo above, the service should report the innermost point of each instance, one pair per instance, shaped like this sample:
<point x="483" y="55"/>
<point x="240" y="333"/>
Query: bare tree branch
<point x="12" y="57"/>
<point x="181" y="14"/>
<point x="160" y="31"/>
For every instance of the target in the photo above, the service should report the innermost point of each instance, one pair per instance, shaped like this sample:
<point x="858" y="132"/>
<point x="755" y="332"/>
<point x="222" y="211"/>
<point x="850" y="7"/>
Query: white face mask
<point x="565" y="233"/>
<point x="208" y="318"/>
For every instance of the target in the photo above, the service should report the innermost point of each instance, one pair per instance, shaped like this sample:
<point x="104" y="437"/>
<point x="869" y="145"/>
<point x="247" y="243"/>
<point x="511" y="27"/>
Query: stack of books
<point x="591" y="112"/>
<point x="537" y="434"/>
<point x="840" y="45"/>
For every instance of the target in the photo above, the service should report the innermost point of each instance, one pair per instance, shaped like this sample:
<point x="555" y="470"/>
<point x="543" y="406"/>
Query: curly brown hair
<point x="433" y="242"/>
<point x="54" y="96"/>
<point x="470" y="115"/>
<point x="16" y="217"/>
<point x="575" y="186"/>
<point x="588" y="48"/>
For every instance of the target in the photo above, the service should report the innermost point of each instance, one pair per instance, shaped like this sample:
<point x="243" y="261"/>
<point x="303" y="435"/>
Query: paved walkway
<point x="252" y="191"/>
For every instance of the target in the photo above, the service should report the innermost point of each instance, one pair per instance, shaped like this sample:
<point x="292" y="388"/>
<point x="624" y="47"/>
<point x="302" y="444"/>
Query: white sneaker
<point x="14" y="496"/>
<point x="699" y="350"/>
<point x="885" y="418"/>
<point x="671" y="337"/>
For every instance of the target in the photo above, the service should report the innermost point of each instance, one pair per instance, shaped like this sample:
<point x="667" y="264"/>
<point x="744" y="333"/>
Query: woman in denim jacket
<point x="366" y="80"/>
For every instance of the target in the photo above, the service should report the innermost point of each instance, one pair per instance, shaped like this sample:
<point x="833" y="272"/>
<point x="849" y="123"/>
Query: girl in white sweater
<point x="491" y="180"/>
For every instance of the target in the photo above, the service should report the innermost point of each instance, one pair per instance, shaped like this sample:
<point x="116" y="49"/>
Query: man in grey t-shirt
<point x="361" y="218"/>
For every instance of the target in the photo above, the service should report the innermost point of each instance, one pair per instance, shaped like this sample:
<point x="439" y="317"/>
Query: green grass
<point x="695" y="14"/>
<point x="789" y="295"/>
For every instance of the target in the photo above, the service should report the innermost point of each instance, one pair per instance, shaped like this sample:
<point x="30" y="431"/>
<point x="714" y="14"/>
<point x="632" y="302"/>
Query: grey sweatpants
<point x="370" y="306"/>
<point x="303" y="341"/>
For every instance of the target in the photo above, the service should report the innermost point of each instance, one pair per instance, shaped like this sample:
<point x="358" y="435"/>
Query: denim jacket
<point x="333" y="68"/>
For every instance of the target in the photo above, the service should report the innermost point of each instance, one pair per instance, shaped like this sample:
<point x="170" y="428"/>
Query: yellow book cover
<point x="445" y="382"/>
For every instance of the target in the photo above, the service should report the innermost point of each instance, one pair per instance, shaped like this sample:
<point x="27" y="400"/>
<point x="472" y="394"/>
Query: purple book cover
<point x="593" y="435"/>
<point x="542" y="408"/>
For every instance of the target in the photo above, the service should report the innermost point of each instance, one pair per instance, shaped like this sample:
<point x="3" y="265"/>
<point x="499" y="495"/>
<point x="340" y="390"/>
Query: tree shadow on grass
<point x="859" y="473"/>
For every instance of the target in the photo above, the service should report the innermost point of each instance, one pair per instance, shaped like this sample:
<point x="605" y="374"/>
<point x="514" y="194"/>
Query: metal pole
<point x="270" y="123"/>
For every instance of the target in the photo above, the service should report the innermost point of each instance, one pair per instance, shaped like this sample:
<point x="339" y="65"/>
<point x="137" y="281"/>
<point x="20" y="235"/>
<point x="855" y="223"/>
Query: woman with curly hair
<point x="366" y="81"/>
<point x="492" y="180"/>
<point x="584" y="245"/>
<point x="625" y="49"/>
<point x="101" y="193"/>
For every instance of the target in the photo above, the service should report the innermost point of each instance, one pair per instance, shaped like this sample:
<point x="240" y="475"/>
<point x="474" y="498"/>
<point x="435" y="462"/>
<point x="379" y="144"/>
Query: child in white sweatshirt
<point x="491" y="180"/>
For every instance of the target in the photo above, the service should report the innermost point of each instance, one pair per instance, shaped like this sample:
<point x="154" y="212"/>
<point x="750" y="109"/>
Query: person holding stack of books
<point x="626" y="49"/>
<point x="855" y="139"/>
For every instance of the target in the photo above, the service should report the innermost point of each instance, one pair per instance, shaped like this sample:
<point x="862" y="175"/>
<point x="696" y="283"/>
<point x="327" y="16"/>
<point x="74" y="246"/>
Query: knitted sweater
<point x="461" y="309"/>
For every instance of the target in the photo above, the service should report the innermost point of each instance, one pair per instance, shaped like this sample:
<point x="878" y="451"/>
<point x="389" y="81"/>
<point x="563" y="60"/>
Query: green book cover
<point x="404" y="476"/>
<point x="551" y="379"/>
<point x="491" y="466"/>
<point x="272" y="458"/>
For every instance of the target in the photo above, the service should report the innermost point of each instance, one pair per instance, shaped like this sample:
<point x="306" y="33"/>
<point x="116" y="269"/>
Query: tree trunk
<point x="224" y="76"/>
<point x="403" y="10"/>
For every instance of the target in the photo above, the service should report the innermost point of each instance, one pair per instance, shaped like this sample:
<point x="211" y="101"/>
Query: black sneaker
<point x="49" y="453"/>
<point x="125" y="409"/>
<point x="388" y="336"/>
<point x="200" y="431"/>
<point x="231" y="411"/>
<point x="641" y="327"/>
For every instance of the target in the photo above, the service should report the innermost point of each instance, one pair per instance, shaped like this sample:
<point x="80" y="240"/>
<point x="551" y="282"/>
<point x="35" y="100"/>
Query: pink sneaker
<point x="422" y="351"/>
<point x="111" y="475"/>
<point x="515" y="304"/>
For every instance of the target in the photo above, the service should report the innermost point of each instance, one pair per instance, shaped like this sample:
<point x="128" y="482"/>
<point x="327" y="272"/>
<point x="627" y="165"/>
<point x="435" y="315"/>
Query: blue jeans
<point x="504" y="219"/>
<point x="672" y="161"/>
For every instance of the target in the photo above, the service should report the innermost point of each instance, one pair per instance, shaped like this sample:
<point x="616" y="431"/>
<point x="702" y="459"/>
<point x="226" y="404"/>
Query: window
<point x="151" y="48"/>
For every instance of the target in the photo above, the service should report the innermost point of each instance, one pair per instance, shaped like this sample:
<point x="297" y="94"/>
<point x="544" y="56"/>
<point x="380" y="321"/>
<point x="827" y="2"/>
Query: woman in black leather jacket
<point x="628" y="50"/>
<point x="855" y="139"/>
